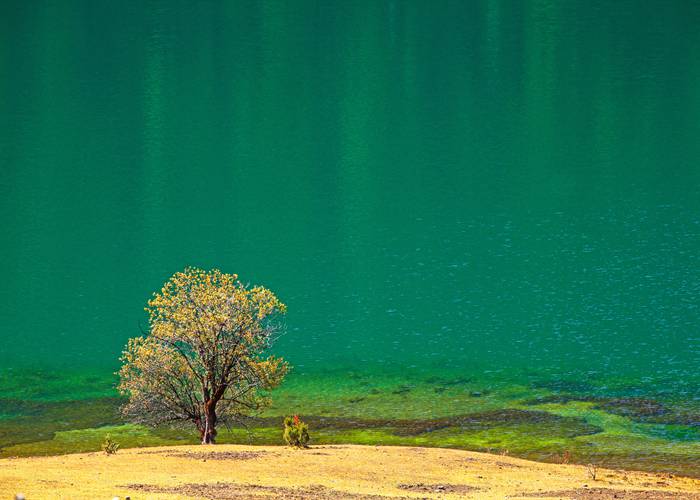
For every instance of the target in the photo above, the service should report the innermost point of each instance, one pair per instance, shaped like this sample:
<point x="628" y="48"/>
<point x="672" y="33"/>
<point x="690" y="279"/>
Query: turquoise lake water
<point x="467" y="207"/>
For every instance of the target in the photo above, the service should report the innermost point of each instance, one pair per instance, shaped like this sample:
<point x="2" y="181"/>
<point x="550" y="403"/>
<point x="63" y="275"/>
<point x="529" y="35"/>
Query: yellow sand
<point x="319" y="472"/>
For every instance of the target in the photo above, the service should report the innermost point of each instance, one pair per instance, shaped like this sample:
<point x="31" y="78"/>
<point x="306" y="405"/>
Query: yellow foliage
<point x="207" y="333"/>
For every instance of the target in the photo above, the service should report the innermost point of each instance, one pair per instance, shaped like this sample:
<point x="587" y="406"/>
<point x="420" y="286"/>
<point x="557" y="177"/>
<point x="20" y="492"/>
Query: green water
<point x="465" y="205"/>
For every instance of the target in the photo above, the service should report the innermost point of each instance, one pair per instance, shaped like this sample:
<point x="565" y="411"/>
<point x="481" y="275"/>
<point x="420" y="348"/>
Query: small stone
<point x="20" y="496"/>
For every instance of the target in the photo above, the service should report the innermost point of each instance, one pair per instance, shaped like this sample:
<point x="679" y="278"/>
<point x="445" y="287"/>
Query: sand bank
<point x="234" y="471"/>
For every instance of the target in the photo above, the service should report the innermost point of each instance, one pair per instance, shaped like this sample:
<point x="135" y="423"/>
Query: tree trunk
<point x="208" y="430"/>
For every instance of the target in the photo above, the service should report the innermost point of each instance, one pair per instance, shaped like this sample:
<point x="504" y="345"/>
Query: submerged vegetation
<point x="528" y="421"/>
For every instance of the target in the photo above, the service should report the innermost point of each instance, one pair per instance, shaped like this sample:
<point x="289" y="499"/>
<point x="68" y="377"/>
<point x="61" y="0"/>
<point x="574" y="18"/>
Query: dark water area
<point x="468" y="207"/>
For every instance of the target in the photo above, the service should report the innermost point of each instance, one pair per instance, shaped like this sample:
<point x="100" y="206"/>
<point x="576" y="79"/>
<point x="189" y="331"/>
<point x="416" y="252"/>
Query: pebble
<point x="20" y="496"/>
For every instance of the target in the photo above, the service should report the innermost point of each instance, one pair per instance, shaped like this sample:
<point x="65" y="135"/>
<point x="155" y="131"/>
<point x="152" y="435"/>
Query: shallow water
<point x="453" y="198"/>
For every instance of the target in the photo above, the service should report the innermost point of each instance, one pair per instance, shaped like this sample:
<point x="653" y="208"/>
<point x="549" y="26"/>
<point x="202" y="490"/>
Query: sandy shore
<point x="231" y="471"/>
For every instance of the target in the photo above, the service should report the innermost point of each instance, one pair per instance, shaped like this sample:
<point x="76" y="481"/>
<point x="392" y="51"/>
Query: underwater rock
<point x="635" y="408"/>
<point x="565" y="386"/>
<point x="651" y="411"/>
<point x="560" y="399"/>
<point x="458" y="381"/>
<point x="19" y="407"/>
<point x="448" y="381"/>
<point x="638" y="409"/>
<point x="690" y="419"/>
<point x="626" y="407"/>
<point x="568" y="426"/>
<point x="48" y="417"/>
<point x="559" y="425"/>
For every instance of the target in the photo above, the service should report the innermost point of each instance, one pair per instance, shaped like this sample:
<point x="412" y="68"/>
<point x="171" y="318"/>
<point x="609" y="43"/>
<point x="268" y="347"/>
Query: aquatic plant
<point x="109" y="446"/>
<point x="296" y="432"/>
<point x="201" y="361"/>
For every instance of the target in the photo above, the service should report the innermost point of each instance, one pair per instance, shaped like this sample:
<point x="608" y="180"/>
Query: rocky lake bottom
<point x="613" y="423"/>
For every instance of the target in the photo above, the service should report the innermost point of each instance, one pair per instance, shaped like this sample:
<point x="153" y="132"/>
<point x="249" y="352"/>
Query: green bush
<point x="296" y="432"/>
<point x="109" y="446"/>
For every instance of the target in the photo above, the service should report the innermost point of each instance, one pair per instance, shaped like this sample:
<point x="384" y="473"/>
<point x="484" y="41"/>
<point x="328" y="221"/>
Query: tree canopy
<point x="202" y="359"/>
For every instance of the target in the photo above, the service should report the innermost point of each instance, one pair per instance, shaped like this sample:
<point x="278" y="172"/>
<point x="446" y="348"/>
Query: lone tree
<point x="201" y="360"/>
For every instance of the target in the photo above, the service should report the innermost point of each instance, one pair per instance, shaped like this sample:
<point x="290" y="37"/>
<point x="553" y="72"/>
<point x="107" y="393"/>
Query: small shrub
<point x="110" y="446"/>
<point x="564" y="458"/>
<point x="592" y="471"/>
<point x="296" y="432"/>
